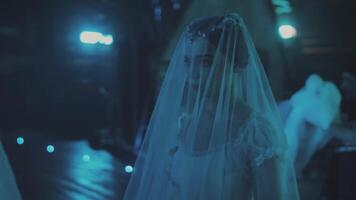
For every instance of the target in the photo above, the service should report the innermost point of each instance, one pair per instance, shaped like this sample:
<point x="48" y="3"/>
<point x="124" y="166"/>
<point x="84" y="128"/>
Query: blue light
<point x="107" y="40"/>
<point x="92" y="37"/>
<point x="176" y="5"/>
<point x="20" y="140"/>
<point x="86" y="158"/>
<point x="287" y="31"/>
<point x="50" y="148"/>
<point x="128" y="169"/>
<point x="158" y="13"/>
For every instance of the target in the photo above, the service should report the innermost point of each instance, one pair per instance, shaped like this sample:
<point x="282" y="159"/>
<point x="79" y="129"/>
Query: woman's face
<point x="201" y="61"/>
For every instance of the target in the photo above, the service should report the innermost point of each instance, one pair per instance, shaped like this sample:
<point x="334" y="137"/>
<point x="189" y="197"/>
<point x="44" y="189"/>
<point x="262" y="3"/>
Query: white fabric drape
<point x="8" y="187"/>
<point x="308" y="114"/>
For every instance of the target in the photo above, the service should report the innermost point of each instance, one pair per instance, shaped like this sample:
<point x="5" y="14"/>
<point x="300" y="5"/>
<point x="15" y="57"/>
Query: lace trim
<point x="173" y="184"/>
<point x="267" y="154"/>
<point x="234" y="142"/>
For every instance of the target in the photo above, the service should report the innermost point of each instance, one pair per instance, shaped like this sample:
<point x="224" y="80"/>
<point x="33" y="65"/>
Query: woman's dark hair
<point x="212" y="28"/>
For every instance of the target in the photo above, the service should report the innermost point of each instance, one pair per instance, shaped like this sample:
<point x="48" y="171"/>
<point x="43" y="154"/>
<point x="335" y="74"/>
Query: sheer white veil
<point x="214" y="85"/>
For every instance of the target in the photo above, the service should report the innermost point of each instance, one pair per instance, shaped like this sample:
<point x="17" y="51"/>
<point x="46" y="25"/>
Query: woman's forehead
<point x="201" y="46"/>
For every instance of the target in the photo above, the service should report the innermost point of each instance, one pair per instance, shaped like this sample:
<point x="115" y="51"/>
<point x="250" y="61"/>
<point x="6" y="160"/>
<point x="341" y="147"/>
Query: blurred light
<point x="176" y="5"/>
<point x="107" y="40"/>
<point x="20" y="140"/>
<point x="50" y="148"/>
<point x="86" y="158"/>
<point x="91" y="37"/>
<point x="158" y="13"/>
<point x="287" y="31"/>
<point x="282" y="6"/>
<point x="128" y="169"/>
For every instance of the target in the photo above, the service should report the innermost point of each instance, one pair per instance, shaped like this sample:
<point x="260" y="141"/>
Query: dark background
<point x="53" y="89"/>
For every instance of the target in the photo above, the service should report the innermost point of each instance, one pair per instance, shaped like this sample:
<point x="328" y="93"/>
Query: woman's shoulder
<point x="258" y="119"/>
<point x="259" y="129"/>
<point x="255" y="119"/>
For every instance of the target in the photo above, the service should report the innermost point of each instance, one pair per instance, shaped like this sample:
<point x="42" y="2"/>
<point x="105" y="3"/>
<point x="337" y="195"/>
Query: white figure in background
<point x="308" y="115"/>
<point x="8" y="187"/>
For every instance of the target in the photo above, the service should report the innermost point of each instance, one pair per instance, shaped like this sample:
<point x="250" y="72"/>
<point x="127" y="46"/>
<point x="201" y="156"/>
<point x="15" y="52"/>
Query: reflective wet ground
<point x="54" y="169"/>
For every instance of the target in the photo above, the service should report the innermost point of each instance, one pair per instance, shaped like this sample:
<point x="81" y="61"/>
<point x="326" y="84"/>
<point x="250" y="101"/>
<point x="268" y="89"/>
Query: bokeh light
<point x="287" y="31"/>
<point x="92" y="37"/>
<point x="128" y="169"/>
<point x="20" y="140"/>
<point x="86" y="158"/>
<point x="50" y="148"/>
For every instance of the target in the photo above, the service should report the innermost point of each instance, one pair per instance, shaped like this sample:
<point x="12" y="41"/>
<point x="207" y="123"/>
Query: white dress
<point x="219" y="151"/>
<point x="242" y="157"/>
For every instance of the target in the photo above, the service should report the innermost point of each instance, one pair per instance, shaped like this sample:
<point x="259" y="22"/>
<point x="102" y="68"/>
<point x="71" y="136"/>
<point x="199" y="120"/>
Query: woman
<point x="8" y="187"/>
<point x="215" y="132"/>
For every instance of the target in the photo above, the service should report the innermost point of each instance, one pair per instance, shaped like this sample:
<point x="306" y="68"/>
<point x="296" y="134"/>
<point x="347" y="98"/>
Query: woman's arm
<point x="270" y="161"/>
<point x="268" y="180"/>
<point x="275" y="179"/>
